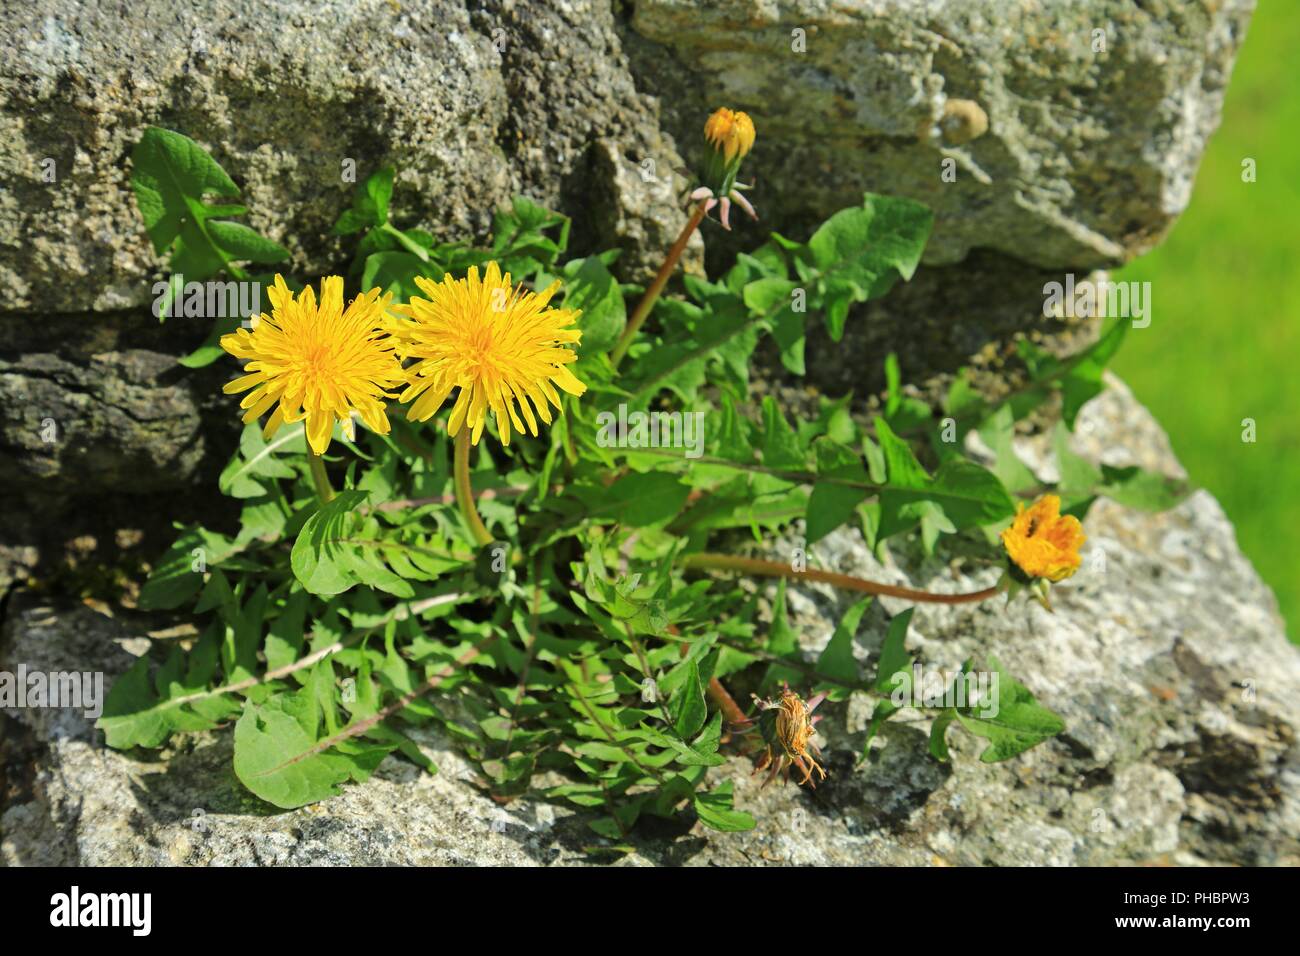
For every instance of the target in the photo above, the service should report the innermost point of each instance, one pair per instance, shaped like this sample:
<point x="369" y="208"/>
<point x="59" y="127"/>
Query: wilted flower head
<point x="788" y="728"/>
<point x="499" y="344"/>
<point x="317" y="362"/>
<point x="1042" y="542"/>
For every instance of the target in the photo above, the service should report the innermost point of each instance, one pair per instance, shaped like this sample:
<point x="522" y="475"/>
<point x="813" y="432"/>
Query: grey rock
<point x="101" y="431"/>
<point x="469" y="107"/>
<point x="1180" y="693"/>
<point x="1074" y="128"/>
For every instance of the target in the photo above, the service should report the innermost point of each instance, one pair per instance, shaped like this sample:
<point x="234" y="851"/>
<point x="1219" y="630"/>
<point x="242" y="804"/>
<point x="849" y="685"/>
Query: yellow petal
<point x="319" y="427"/>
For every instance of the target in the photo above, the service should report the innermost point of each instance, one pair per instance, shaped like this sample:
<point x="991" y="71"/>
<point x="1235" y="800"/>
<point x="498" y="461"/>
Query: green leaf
<point x="1078" y="476"/>
<point x="860" y="251"/>
<point x="883" y="710"/>
<point x="1130" y="486"/>
<point x="378" y="191"/>
<point x="257" y="459"/>
<point x="716" y="811"/>
<point x="934" y="522"/>
<point x="171" y="177"/>
<point x="832" y="503"/>
<point x="591" y="287"/>
<point x="963" y="404"/>
<point x="1079" y="377"/>
<point x="281" y="757"/>
<point x="138" y="715"/>
<point x="242" y="243"/>
<point x="338" y="549"/>
<point x="320" y="560"/>
<point x="353" y="220"/>
<point x="781" y="447"/>
<point x="938" y="735"/>
<point x="244" y="636"/>
<point x="686" y="708"/>
<point x="767" y="295"/>
<point x="285" y="637"/>
<point x="519" y="237"/>
<point x="837" y="658"/>
<point x="168" y="169"/>
<point x="1019" y="723"/>
<point x="637" y="499"/>
<point x="680" y="365"/>
<point x="179" y="573"/>
<point x="1136" y="488"/>
<point x="788" y="329"/>
<point x="968" y="494"/>
<point x="394" y="271"/>
<point x="782" y="641"/>
<point x="997" y="431"/>
<point x="895" y="662"/>
<point x="369" y="204"/>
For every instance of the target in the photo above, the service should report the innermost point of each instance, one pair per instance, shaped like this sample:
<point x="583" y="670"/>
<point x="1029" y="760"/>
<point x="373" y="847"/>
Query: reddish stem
<point x="774" y="569"/>
<point x="661" y="279"/>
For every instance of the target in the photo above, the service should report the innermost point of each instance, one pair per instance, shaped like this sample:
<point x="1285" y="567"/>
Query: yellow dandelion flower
<point x="1042" y="543"/>
<point x="730" y="132"/>
<point x="499" y="344"/>
<point x="317" y="362"/>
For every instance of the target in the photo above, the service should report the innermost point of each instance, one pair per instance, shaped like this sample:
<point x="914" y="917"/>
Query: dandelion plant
<point x="472" y="508"/>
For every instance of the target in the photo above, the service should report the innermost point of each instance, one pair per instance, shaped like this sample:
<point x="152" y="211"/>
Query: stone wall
<point x="1067" y="157"/>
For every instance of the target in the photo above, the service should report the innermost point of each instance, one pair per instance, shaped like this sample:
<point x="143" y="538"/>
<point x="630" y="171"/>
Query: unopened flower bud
<point x="730" y="134"/>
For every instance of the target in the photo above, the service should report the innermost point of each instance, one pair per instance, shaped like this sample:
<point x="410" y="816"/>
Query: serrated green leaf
<point x="860" y="251"/>
<point x="1019" y="723"/>
<point x="968" y="494"/>
<point x="335" y="551"/>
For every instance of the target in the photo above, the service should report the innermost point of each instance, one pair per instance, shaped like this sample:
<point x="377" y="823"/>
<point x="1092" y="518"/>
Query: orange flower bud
<point x="731" y="133"/>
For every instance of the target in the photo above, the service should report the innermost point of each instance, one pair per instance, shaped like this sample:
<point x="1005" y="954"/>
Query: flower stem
<point x="465" y="491"/>
<point x="661" y="279"/>
<point x="775" y="569"/>
<point x="324" y="490"/>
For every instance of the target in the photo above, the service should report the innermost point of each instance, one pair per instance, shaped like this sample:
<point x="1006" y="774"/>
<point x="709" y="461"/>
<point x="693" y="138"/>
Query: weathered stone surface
<point x="1087" y="155"/>
<point x="1097" y="111"/>
<point x="1179" y="690"/>
<point x="101" y="430"/>
<point x="469" y="107"/>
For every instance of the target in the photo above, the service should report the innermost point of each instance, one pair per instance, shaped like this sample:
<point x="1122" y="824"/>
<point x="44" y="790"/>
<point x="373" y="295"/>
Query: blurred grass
<point x="1224" y="338"/>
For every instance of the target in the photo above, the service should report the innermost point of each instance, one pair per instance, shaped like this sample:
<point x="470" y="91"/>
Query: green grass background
<point x="1224" y="338"/>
